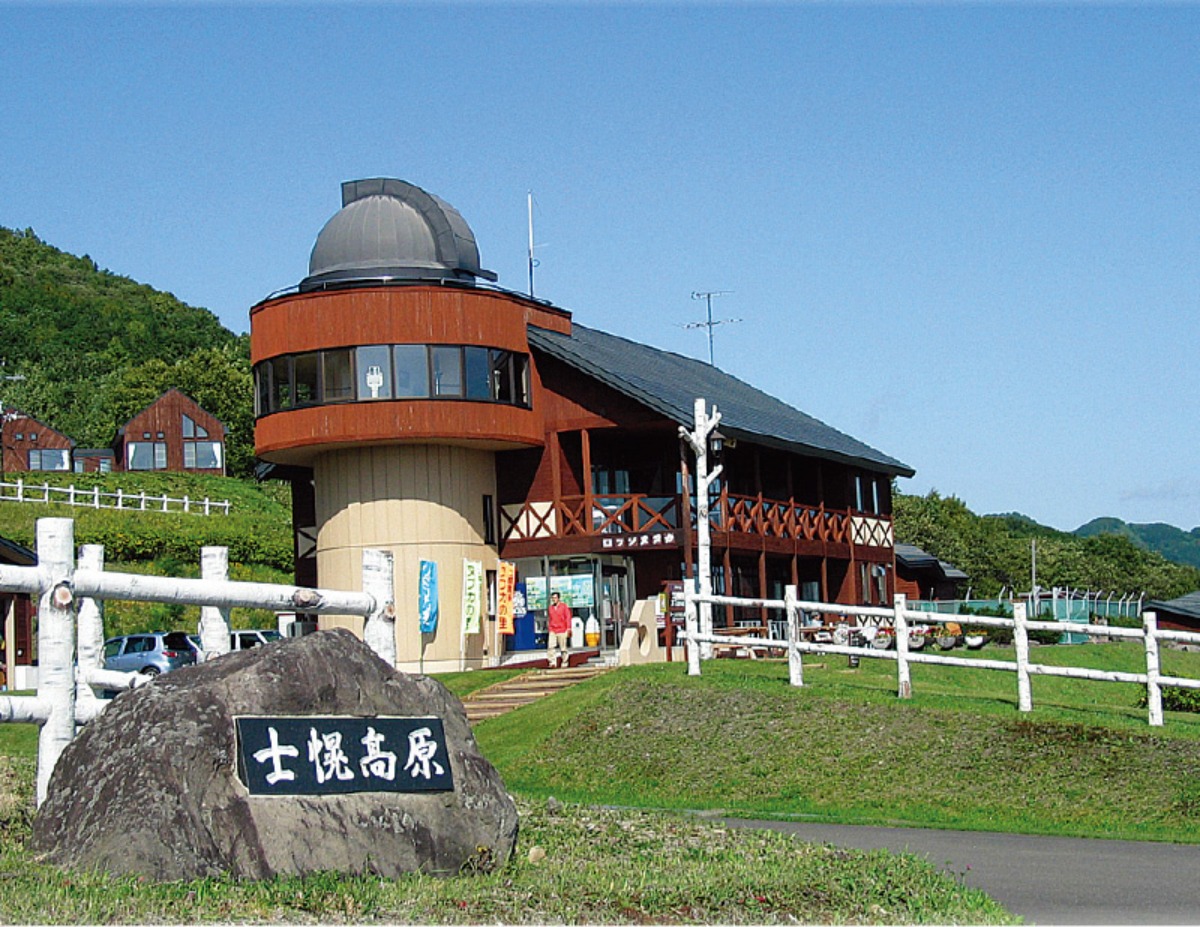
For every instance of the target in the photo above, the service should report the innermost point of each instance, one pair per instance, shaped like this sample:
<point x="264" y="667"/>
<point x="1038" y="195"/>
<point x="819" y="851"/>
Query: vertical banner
<point x="505" y="587"/>
<point x="472" y="600"/>
<point x="427" y="606"/>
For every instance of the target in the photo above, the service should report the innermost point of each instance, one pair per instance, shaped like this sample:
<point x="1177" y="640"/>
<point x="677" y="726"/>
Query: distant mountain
<point x="1173" y="543"/>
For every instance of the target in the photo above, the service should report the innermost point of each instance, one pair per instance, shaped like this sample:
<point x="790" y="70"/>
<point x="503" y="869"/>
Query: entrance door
<point x="616" y="601"/>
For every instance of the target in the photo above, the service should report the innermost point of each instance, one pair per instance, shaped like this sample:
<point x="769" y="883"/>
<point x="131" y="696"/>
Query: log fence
<point x="70" y="624"/>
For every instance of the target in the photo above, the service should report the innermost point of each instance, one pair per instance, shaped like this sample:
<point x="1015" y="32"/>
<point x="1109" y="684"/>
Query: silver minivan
<point x="151" y="653"/>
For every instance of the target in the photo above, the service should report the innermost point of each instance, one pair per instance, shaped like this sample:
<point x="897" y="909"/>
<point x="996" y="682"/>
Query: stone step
<point x="524" y="690"/>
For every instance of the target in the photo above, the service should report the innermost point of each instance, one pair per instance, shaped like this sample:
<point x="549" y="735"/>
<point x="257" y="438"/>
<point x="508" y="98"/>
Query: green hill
<point x="1173" y="543"/>
<point x="83" y="349"/>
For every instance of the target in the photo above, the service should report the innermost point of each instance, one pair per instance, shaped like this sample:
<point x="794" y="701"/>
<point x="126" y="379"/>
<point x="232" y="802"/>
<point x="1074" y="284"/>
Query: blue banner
<point x="428" y="604"/>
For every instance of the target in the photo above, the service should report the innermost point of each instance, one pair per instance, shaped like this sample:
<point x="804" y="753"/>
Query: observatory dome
<point x="390" y="230"/>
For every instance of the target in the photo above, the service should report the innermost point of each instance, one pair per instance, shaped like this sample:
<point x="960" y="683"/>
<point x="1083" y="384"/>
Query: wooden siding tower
<point x="394" y="379"/>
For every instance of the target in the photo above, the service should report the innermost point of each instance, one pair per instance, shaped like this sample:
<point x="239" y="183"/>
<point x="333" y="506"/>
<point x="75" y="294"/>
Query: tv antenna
<point x="708" y="296"/>
<point x="533" y="262"/>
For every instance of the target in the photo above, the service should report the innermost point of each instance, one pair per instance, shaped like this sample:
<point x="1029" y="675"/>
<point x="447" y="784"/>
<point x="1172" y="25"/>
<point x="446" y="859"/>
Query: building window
<point x="58" y="459"/>
<point x="412" y="371"/>
<point x="304" y="379"/>
<point x="447" y="370"/>
<point x="374" y="372"/>
<point x="337" y="375"/>
<point x="281" y="383"/>
<point x="202" y="455"/>
<point x="489" y="520"/>
<point x="402" y="371"/>
<point x="479" y="373"/>
<point x="146" y="455"/>
<point x="864" y="583"/>
<point x="191" y="429"/>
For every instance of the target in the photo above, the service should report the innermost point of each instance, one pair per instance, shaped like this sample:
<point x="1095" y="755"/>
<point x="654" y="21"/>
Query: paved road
<point x="1045" y="880"/>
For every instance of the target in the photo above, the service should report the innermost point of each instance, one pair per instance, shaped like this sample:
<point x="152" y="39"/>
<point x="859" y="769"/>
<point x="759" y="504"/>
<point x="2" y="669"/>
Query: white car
<point x="244" y="640"/>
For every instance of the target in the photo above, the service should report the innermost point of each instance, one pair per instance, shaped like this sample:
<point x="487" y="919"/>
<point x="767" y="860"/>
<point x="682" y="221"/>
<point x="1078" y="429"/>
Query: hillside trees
<point x="93" y="348"/>
<point x="996" y="551"/>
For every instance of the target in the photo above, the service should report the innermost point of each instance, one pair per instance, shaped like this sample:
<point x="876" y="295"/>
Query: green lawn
<point x="844" y="748"/>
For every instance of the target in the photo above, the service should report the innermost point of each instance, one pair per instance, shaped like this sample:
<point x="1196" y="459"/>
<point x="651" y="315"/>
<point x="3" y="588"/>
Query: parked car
<point x="153" y="653"/>
<point x="244" y="640"/>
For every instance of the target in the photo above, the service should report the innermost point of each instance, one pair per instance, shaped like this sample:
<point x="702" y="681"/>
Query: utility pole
<point x="707" y="296"/>
<point x="698" y="439"/>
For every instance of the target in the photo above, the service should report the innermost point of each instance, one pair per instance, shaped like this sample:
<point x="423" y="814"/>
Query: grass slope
<point x="843" y="748"/>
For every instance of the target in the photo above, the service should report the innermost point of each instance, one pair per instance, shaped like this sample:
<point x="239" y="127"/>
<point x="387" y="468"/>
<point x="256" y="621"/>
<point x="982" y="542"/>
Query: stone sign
<point x="171" y="780"/>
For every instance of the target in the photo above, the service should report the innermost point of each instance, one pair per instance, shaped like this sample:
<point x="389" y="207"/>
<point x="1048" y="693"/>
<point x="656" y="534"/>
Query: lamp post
<point x="699" y="439"/>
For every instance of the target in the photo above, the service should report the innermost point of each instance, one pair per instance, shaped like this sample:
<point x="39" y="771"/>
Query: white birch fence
<point x="901" y="619"/>
<point x="71" y="631"/>
<point x="93" y="498"/>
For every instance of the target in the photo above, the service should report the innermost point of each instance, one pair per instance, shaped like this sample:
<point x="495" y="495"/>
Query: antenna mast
<point x="710" y="324"/>
<point x="532" y="262"/>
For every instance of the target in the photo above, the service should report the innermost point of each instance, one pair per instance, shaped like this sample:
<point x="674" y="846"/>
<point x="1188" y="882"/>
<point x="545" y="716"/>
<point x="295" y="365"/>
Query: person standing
<point x="559" y="628"/>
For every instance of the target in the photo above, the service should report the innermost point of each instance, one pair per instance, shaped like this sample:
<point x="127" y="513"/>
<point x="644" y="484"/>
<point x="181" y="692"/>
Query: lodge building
<point x="418" y="408"/>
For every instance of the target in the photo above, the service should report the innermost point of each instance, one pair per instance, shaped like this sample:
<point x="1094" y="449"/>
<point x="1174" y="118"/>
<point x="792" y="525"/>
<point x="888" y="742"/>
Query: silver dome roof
<point x="391" y="230"/>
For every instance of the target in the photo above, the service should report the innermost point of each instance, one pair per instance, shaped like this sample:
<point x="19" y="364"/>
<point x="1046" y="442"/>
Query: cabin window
<point x="50" y="459"/>
<point x="192" y="430"/>
<point x="146" y="455"/>
<point x="281" y="383"/>
<point x="202" y="455"/>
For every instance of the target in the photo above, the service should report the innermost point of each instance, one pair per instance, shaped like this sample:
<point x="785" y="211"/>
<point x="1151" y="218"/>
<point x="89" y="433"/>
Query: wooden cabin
<point x="30" y="445"/>
<point x="172" y="433"/>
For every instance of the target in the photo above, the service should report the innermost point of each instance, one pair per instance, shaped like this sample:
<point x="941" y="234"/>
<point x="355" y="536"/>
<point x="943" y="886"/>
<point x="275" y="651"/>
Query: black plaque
<point x="336" y="756"/>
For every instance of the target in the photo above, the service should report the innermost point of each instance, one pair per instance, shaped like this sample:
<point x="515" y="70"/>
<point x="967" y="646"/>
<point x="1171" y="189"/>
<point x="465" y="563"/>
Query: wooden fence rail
<point x="901" y="619"/>
<point x="21" y="491"/>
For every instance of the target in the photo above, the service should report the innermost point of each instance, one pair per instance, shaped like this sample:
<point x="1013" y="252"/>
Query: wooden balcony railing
<point x="626" y="514"/>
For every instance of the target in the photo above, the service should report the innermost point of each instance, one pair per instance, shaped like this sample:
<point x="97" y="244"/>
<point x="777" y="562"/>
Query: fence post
<point x="187" y="504"/>
<point x="56" y="644"/>
<point x="143" y="494"/>
<point x="206" y="505"/>
<point x="20" y="490"/>
<point x="214" y="621"/>
<point x="379" y="632"/>
<point x="96" y="496"/>
<point x="90" y="630"/>
<point x="70" y="494"/>
<point x="120" y="498"/>
<point x="1021" y="645"/>
<point x="692" y="626"/>
<point x="795" y="657"/>
<point x="1153" y="688"/>
<point x="900" y="630"/>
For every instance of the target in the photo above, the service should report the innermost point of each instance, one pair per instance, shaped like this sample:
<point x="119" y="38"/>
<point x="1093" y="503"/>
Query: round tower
<point x="386" y="382"/>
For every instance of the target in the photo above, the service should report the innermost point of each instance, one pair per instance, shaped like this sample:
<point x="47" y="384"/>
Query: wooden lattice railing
<point x="635" y="513"/>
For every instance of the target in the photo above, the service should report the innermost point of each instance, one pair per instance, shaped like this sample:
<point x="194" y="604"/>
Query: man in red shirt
<point x="559" y="626"/>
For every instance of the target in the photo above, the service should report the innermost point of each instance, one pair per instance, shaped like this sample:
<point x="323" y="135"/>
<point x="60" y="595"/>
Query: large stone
<point x="151" y="785"/>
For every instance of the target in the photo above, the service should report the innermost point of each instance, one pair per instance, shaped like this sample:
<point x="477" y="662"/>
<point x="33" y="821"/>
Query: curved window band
<point x="397" y="371"/>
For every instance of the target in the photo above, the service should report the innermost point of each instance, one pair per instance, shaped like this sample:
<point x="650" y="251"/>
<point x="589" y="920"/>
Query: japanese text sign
<point x="325" y="756"/>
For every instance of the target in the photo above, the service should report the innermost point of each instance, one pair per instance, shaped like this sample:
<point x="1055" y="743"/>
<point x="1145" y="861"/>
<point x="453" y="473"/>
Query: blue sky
<point x="966" y="234"/>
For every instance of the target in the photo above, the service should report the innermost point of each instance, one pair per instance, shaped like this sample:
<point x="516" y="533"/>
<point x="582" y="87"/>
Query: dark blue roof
<point x="670" y="384"/>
